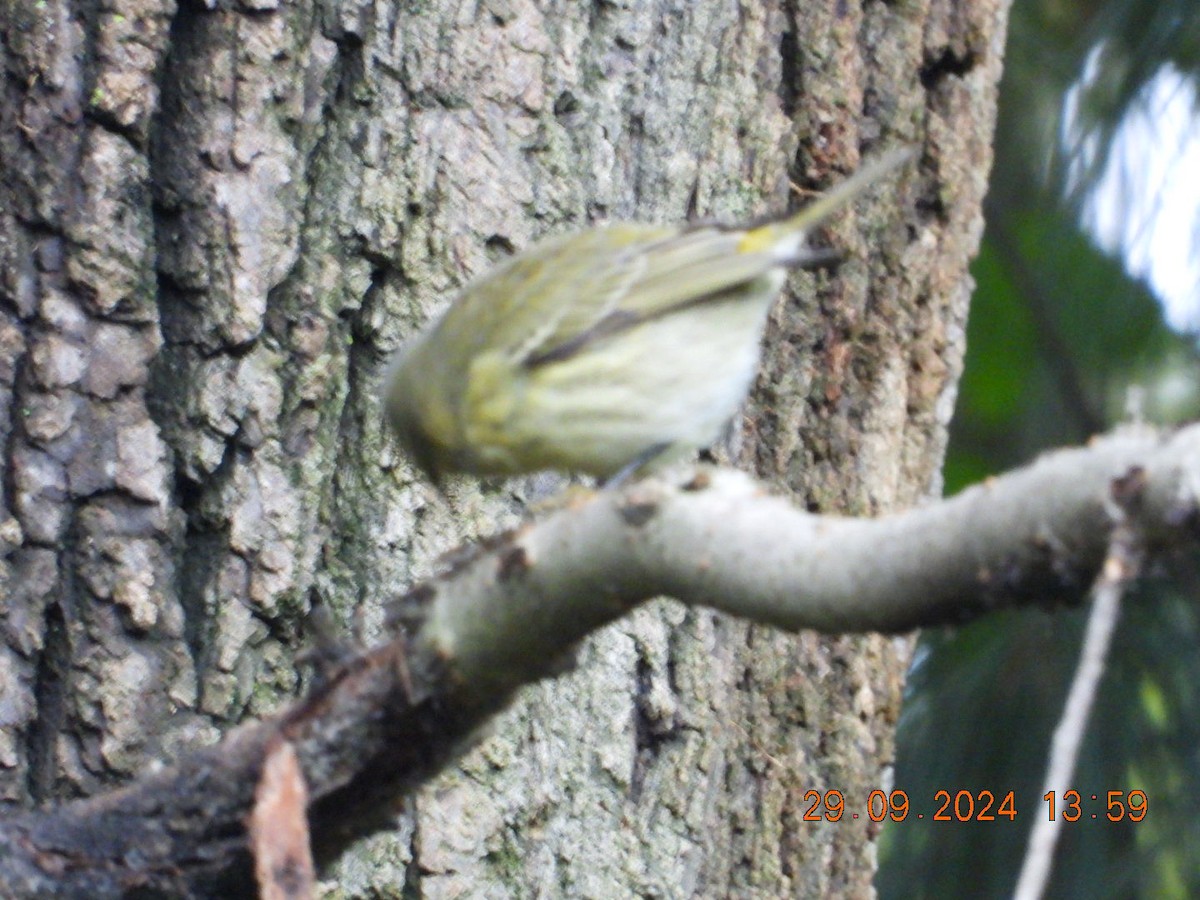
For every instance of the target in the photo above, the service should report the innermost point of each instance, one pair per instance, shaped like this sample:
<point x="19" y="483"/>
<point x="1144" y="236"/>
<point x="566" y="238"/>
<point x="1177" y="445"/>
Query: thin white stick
<point x="1120" y="565"/>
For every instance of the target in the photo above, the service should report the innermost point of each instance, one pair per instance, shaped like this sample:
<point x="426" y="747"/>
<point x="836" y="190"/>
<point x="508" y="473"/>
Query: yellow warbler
<point x="603" y="351"/>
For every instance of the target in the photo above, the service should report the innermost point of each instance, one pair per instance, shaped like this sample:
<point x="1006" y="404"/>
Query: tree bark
<point x="219" y="219"/>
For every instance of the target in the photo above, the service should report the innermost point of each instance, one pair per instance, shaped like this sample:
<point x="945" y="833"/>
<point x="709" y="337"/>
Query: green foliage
<point x="1060" y="341"/>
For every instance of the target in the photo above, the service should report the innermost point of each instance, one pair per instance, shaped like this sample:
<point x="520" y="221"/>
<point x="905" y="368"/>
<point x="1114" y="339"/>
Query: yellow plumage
<point x="602" y="349"/>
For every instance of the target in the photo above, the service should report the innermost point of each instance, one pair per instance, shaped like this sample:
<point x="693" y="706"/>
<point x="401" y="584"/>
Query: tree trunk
<point x="218" y="220"/>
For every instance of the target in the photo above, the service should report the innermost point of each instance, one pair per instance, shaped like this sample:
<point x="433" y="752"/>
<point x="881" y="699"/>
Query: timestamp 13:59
<point x="975" y="806"/>
<point x="1118" y="805"/>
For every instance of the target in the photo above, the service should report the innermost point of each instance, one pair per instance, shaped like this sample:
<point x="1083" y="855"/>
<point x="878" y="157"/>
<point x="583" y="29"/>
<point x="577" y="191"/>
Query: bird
<point x="606" y="352"/>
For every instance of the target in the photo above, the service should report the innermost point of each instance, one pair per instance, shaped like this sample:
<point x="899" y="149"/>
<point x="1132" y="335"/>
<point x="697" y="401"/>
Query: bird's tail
<point x="785" y="237"/>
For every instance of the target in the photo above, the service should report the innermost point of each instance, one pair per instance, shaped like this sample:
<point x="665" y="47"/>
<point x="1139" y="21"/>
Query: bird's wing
<point x="626" y="274"/>
<point x="565" y="293"/>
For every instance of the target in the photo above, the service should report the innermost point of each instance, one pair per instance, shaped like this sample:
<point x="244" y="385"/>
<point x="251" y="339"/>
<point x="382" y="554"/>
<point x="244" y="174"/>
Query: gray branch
<point x="1038" y="534"/>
